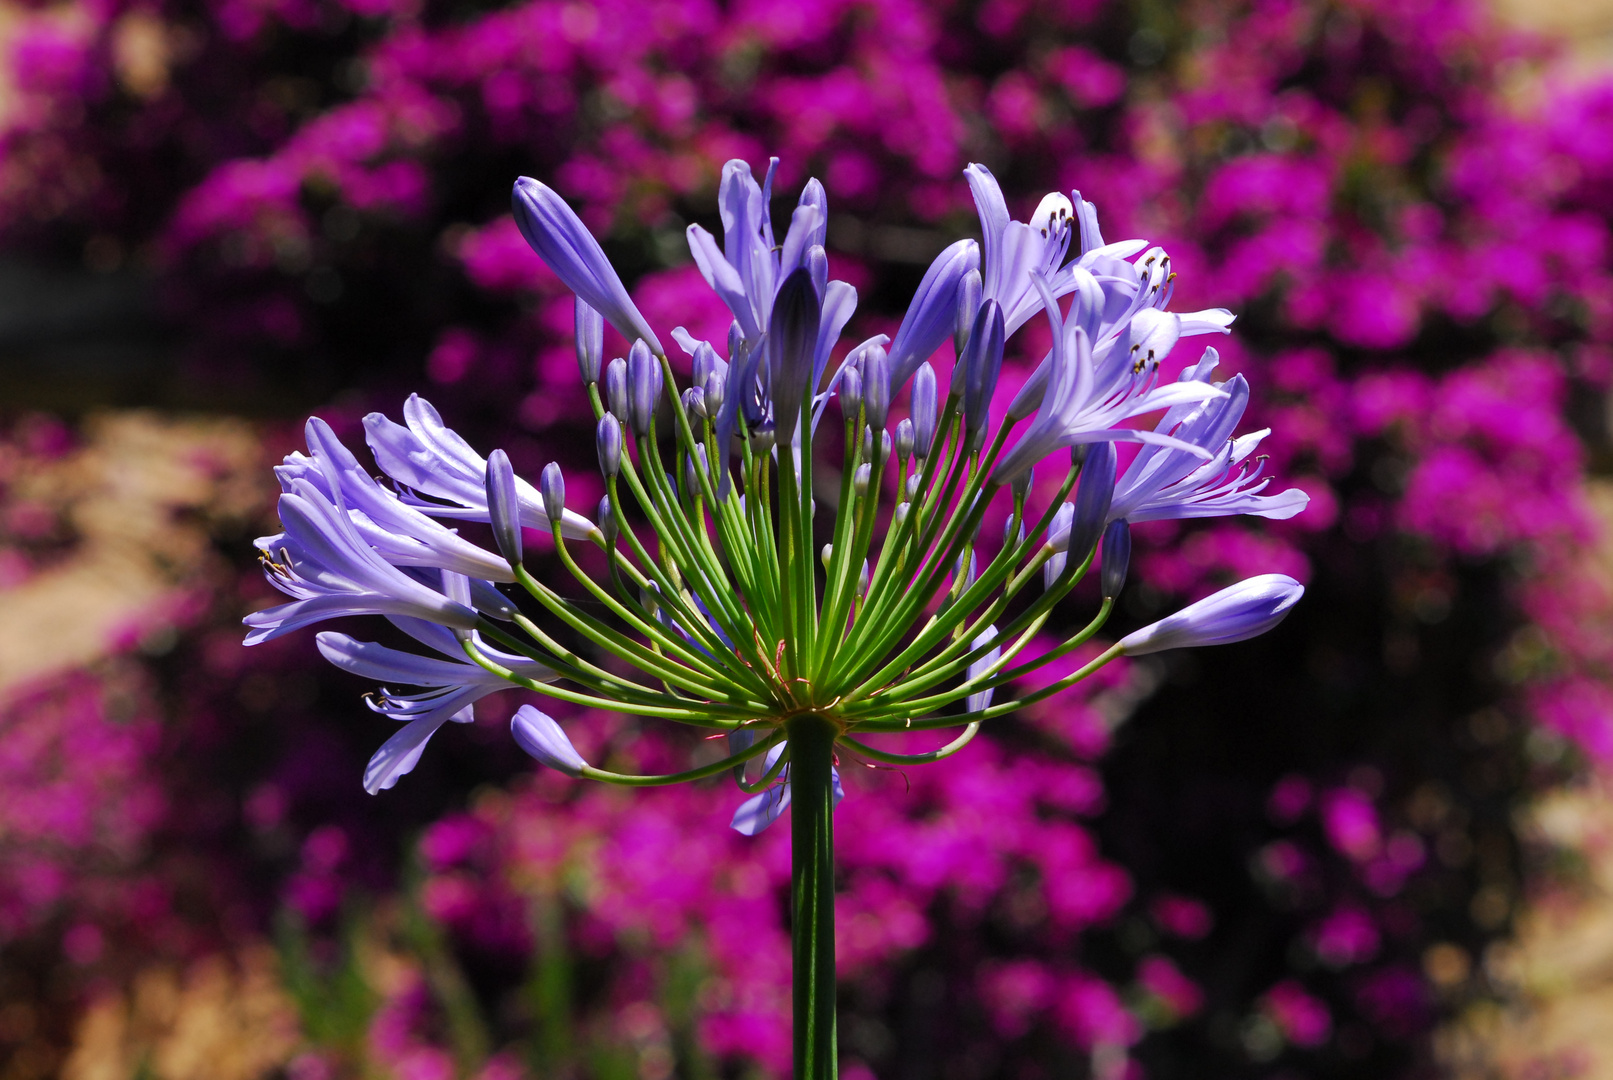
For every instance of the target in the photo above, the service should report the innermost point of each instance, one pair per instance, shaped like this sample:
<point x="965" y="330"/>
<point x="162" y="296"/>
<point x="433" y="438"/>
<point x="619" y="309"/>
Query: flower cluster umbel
<point x="705" y="575"/>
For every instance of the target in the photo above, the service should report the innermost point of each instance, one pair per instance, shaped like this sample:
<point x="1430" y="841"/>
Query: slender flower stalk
<point x="716" y="593"/>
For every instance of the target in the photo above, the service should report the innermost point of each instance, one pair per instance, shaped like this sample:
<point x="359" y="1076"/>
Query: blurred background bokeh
<point x="1375" y="844"/>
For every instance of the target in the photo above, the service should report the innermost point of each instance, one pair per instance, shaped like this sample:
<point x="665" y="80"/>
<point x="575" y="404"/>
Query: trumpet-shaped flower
<point x="1086" y="396"/>
<point x="1165" y="482"/>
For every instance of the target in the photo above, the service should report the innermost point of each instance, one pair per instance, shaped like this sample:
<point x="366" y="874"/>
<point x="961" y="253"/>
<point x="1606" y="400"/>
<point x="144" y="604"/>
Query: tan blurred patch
<point x="141" y="496"/>
<point x="1585" y="27"/>
<point x="222" y="1019"/>
<point x="1556" y="974"/>
<point x="1558" y="969"/>
<point x="72" y="19"/>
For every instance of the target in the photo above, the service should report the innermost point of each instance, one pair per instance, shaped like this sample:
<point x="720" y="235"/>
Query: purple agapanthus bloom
<point x="451" y="687"/>
<point x="1164" y="482"/>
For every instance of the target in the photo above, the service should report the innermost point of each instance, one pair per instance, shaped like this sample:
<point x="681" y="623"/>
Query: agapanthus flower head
<point x="735" y="582"/>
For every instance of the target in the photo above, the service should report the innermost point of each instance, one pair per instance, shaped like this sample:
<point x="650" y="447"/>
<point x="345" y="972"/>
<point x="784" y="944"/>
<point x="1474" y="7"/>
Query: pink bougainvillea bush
<point x="1231" y="864"/>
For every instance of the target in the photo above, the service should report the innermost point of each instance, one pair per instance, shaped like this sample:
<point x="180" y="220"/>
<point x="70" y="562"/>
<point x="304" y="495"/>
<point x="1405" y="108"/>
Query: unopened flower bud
<point x="817" y="266"/>
<point x="904" y="440"/>
<point x="691" y="479"/>
<point x="923" y="410"/>
<point x="862" y="581"/>
<point x="694" y="403"/>
<point x="826" y="554"/>
<point x="590" y="334"/>
<point x="1013" y="532"/>
<point x="608" y="526"/>
<point x="608" y="441"/>
<point x="538" y="734"/>
<point x="1058" y="538"/>
<point x="552" y="486"/>
<point x="1092" y="496"/>
<point x="714" y="391"/>
<point x="982" y="363"/>
<point x="969" y="290"/>
<point x="913" y="486"/>
<point x="860" y="479"/>
<point x="702" y="364"/>
<point x="643" y="388"/>
<point x="503" y="506"/>
<point x="761" y="442"/>
<point x="1245" y="610"/>
<point x="876" y="386"/>
<point x="1116" y="557"/>
<point x="982" y="698"/>
<point x="616" y="386"/>
<point x="792" y="341"/>
<point x="851" y="392"/>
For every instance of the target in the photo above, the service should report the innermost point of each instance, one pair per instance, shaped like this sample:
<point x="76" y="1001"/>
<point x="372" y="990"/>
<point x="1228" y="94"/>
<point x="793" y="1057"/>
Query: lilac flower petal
<point x="400" y="754"/>
<point x="980" y="699"/>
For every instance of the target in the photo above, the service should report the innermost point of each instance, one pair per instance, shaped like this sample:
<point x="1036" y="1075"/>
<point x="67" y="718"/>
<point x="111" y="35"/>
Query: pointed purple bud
<point x="590" y="332"/>
<point x="702" y="363"/>
<point x="608" y="442"/>
<point x="736" y="340"/>
<point x="933" y="314"/>
<point x="715" y="391"/>
<point x="503" y="506"/>
<point x="860" y="480"/>
<point x="694" y="403"/>
<point x="982" y="363"/>
<point x="904" y="440"/>
<point x="1245" y="610"/>
<point x="792" y="339"/>
<point x="851" y="392"/>
<point x="1116" y="557"/>
<point x="1058" y="539"/>
<point x="817" y="267"/>
<point x="862" y="581"/>
<point x="982" y="698"/>
<point x="1092" y="497"/>
<point x="922" y="410"/>
<point x="969" y="291"/>
<point x="876" y="386"/>
<point x="616" y="386"/>
<point x="1013" y="532"/>
<point x="539" y="735"/>
<point x="608" y="525"/>
<point x="643" y="387"/>
<point x="559" y="237"/>
<point x="552" y="487"/>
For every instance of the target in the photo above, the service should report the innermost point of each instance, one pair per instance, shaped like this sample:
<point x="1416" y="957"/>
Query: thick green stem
<point x="812" y="892"/>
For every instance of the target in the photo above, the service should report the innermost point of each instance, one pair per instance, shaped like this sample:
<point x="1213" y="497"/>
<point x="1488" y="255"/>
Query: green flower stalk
<point x="719" y="593"/>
